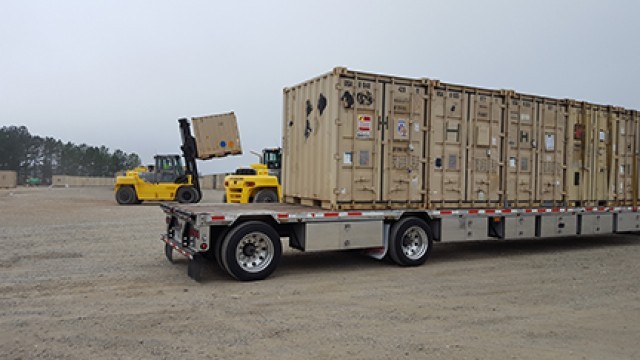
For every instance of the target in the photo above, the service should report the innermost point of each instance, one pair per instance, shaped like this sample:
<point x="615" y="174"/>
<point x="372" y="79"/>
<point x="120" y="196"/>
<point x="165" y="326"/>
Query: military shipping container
<point x="355" y="140"/>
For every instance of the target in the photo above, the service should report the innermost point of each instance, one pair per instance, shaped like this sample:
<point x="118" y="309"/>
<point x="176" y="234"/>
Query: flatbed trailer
<point x="245" y="240"/>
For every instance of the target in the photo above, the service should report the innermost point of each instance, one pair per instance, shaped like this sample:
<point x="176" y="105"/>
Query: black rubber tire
<point x="198" y="197"/>
<point x="259" y="237"/>
<point x="266" y="196"/>
<point x="126" y="195"/>
<point x="186" y="194"/>
<point x="399" y="241"/>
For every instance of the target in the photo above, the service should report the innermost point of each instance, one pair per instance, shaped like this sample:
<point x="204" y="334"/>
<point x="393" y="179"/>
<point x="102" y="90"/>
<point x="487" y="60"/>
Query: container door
<point x="621" y="171"/>
<point x="602" y="138"/>
<point x="553" y="122"/>
<point x="521" y="151"/>
<point x="359" y="140"/>
<point x="402" y="168"/>
<point x="446" y="142"/>
<point x="578" y="180"/>
<point x="485" y="140"/>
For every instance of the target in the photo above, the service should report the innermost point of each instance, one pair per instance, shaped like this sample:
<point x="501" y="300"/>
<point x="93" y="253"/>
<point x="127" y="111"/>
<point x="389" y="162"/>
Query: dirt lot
<point x="84" y="278"/>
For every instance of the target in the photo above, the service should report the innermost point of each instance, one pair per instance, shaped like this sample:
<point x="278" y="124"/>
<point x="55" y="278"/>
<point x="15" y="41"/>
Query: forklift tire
<point x="126" y="195"/>
<point x="187" y="194"/>
<point x="266" y="196"/>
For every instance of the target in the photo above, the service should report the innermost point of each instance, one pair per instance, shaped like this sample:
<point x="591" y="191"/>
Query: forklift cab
<point x="167" y="169"/>
<point x="272" y="159"/>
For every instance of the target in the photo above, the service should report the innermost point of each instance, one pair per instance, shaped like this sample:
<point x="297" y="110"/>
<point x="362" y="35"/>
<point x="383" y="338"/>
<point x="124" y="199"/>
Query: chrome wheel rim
<point x="415" y="243"/>
<point x="254" y="252"/>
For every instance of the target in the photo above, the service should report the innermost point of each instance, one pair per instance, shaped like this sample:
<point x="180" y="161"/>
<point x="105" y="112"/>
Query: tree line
<point x="34" y="157"/>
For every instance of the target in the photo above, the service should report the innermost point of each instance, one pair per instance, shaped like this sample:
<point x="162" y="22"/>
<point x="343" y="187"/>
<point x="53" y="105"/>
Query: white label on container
<point x="525" y="117"/>
<point x="512" y="162"/>
<point x="416" y="127"/>
<point x="621" y="169"/>
<point x="601" y="136"/>
<point x="364" y="127"/>
<point x="402" y="130"/>
<point x="621" y="129"/>
<point x="494" y="142"/>
<point x="347" y="159"/>
<point x="549" y="142"/>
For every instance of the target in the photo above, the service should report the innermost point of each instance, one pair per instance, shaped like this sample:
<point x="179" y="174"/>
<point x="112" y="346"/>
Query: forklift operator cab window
<point x="168" y="169"/>
<point x="272" y="160"/>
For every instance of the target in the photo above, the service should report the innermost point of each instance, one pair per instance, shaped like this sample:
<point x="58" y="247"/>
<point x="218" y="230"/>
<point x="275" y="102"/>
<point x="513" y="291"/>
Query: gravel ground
<point x="84" y="278"/>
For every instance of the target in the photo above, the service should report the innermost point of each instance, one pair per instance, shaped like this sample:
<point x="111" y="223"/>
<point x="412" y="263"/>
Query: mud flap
<point x="168" y="252"/>
<point x="194" y="268"/>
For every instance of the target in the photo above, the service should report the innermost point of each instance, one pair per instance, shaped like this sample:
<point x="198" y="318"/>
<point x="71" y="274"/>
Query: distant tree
<point x="33" y="156"/>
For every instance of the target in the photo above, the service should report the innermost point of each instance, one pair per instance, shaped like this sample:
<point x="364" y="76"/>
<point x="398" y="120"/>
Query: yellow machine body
<point x="254" y="186"/>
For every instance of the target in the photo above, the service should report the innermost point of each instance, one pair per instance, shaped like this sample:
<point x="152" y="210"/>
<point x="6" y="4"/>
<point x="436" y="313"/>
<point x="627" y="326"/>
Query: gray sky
<point x="120" y="73"/>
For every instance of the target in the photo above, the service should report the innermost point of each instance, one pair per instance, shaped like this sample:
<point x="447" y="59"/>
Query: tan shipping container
<point x="216" y="135"/>
<point x="8" y="179"/>
<point x="354" y="140"/>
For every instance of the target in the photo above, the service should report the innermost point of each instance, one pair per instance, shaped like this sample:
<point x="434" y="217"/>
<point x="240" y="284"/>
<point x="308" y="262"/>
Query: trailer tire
<point x="251" y="251"/>
<point x="187" y="194"/>
<point x="266" y="196"/>
<point x="126" y="195"/>
<point x="410" y="241"/>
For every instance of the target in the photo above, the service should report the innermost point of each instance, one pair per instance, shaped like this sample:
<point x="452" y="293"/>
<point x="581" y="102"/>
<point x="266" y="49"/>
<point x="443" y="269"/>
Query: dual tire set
<point x="252" y="250"/>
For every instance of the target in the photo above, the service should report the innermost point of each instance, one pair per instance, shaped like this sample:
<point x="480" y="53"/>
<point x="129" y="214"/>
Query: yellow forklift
<point x="258" y="183"/>
<point x="168" y="179"/>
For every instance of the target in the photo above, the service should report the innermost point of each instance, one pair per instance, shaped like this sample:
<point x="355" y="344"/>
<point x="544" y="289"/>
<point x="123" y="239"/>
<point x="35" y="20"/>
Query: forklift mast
<point x="189" y="152"/>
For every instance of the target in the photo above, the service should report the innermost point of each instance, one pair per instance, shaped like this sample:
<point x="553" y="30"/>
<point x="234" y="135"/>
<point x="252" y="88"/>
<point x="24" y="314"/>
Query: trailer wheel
<point x="266" y="196"/>
<point x="126" y="195"/>
<point x="187" y="194"/>
<point x="410" y="242"/>
<point x="251" y="251"/>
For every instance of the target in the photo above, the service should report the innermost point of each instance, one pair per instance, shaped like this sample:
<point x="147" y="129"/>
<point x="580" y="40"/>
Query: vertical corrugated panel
<point x="358" y="138"/>
<point x="520" y="150"/>
<point x="550" y="187"/>
<point x="484" y="179"/>
<point x="576" y="151"/>
<point x="447" y="137"/>
<point x="601" y="144"/>
<point x="621" y="157"/>
<point x="309" y="143"/>
<point x="404" y="152"/>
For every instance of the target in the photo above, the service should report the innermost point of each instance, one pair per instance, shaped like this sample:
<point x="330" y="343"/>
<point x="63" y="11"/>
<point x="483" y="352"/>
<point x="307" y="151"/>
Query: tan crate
<point x="335" y="151"/>
<point x="216" y="136"/>
<point x="8" y="179"/>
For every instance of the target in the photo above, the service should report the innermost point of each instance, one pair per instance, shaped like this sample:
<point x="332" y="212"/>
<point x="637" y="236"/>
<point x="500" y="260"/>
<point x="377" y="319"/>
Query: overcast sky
<point x="120" y="73"/>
